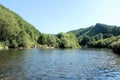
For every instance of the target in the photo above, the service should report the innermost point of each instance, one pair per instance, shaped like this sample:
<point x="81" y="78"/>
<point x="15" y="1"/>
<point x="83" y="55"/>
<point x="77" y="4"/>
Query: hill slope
<point x="14" y="31"/>
<point x="97" y="29"/>
<point x="99" y="36"/>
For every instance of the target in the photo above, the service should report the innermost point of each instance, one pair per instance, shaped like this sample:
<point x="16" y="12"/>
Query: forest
<point x="15" y="32"/>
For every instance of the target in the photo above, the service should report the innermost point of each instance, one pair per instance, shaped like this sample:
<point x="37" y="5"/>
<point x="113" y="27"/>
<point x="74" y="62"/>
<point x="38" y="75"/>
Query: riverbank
<point x="5" y="47"/>
<point x="114" y="49"/>
<point x="28" y="47"/>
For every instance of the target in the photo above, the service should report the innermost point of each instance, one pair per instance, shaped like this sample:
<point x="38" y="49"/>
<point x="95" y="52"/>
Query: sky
<point x="55" y="16"/>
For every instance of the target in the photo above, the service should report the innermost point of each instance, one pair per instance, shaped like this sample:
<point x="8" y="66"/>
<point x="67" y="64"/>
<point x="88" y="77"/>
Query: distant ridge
<point x="97" y="29"/>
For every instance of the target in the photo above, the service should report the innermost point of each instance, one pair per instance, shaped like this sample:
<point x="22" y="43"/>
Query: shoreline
<point x="46" y="47"/>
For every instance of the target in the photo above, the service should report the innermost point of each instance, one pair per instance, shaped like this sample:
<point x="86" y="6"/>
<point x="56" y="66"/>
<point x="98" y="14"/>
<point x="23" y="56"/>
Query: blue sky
<point x="54" y="16"/>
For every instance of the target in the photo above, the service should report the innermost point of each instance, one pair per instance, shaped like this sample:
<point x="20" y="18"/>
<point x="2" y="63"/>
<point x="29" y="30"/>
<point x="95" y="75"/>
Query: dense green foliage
<point x="106" y="30"/>
<point x="47" y="39"/>
<point x="14" y="31"/>
<point x="67" y="40"/>
<point x="99" y="36"/>
<point x="115" y="45"/>
<point x="61" y="40"/>
<point x="103" y="43"/>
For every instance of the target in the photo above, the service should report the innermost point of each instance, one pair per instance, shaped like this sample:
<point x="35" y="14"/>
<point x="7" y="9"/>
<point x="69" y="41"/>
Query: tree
<point x="16" y="31"/>
<point x="47" y="39"/>
<point x="14" y="44"/>
<point x="85" y="40"/>
<point x="68" y="40"/>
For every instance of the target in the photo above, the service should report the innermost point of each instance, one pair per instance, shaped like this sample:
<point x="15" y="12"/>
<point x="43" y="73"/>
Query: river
<point x="58" y="64"/>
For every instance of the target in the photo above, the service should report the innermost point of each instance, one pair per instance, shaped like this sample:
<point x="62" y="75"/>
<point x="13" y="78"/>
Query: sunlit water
<point x="76" y="64"/>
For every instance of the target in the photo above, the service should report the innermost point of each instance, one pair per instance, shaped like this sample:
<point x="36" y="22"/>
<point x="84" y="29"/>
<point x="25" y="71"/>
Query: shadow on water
<point x="117" y="53"/>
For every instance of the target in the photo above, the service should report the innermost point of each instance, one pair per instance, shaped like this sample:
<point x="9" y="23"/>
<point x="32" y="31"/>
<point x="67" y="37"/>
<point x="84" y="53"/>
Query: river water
<point x="58" y="64"/>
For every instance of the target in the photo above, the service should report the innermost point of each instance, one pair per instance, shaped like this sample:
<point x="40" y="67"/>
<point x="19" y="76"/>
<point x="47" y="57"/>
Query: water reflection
<point x="77" y="64"/>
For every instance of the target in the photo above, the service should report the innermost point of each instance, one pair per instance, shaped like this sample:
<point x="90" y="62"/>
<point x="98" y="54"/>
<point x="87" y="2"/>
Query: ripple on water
<point x="78" y="64"/>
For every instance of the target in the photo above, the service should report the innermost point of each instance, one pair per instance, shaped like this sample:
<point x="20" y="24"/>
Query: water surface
<point x="76" y="64"/>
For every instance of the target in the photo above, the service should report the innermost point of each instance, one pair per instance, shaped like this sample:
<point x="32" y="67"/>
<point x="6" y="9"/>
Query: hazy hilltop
<point x="14" y="31"/>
